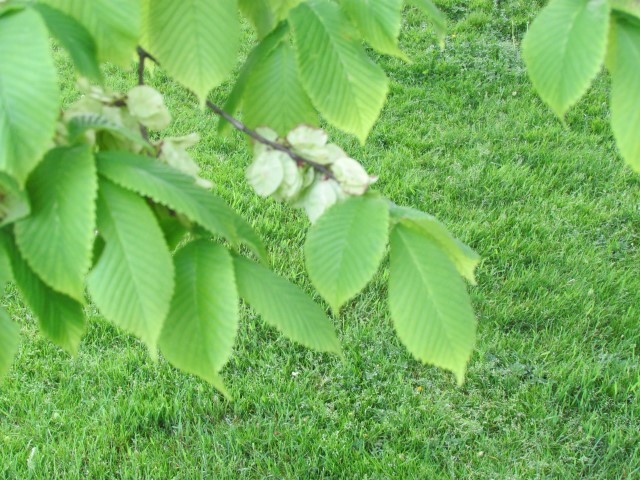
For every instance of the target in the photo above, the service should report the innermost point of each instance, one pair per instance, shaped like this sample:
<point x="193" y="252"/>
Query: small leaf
<point x="345" y="247"/>
<point x="114" y="24"/>
<point x="462" y="256"/>
<point x="285" y="306"/>
<point x="430" y="307"/>
<point x="28" y="93"/>
<point x="132" y="283"/>
<point x="379" y="22"/>
<point x="623" y="63"/>
<point x="346" y="87"/>
<point x="274" y="94"/>
<point x="435" y="15"/>
<point x="564" y="50"/>
<point x="75" y="38"/>
<point x="178" y="191"/>
<point x="201" y="328"/>
<point x="9" y="342"/>
<point x="78" y="125"/>
<point x="196" y="41"/>
<point x="14" y="203"/>
<point x="57" y="238"/>
<point x="260" y="14"/>
<point x="266" y="172"/>
<point x="60" y="318"/>
<point x="147" y="106"/>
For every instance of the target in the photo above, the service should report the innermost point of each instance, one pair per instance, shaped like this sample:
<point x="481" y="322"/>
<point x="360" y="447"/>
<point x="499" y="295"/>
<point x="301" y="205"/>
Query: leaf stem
<point x="238" y="125"/>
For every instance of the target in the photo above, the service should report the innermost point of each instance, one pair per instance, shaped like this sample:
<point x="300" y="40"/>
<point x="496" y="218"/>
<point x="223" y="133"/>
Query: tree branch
<point x="238" y="125"/>
<point x="142" y="56"/>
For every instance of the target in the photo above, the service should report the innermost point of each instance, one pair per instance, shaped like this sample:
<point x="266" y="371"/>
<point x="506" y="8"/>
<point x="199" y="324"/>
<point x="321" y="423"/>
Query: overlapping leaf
<point x="631" y="7"/>
<point x="623" y="63"/>
<point x="14" y="202"/>
<point x="57" y="238"/>
<point x="379" y="22"/>
<point x="274" y="95"/>
<point x="200" y="330"/>
<point x="75" y="38"/>
<point x="346" y="87"/>
<point x="114" y="24"/>
<point x="285" y="306"/>
<point x="345" y="247"/>
<point x="565" y="48"/>
<point x="196" y="41"/>
<point x="259" y="52"/>
<point x="60" y="318"/>
<point x="9" y="341"/>
<point x="132" y="283"/>
<point x="430" y="307"/>
<point x="462" y="256"/>
<point x="28" y="93"/>
<point x="78" y="125"/>
<point x="178" y="191"/>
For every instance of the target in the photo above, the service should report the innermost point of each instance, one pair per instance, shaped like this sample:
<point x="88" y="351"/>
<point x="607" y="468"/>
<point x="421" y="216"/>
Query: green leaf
<point x="260" y="51"/>
<point x="462" y="256"/>
<point x="60" y="318"/>
<point x="196" y="41"/>
<point x="14" y="203"/>
<point x="57" y="238"/>
<point x="201" y="328"/>
<point x="345" y="247"/>
<point x="631" y="7"/>
<point x="28" y="93"/>
<point x="285" y="306"/>
<point x="75" y="38"/>
<point x="178" y="191"/>
<point x="434" y="14"/>
<point x="132" y="283"/>
<point x="81" y="124"/>
<point x="564" y="50"/>
<point x="6" y="272"/>
<point x="274" y="95"/>
<point x="9" y="342"/>
<point x="379" y="22"/>
<point x="260" y="14"/>
<point x="114" y="24"/>
<point x="430" y="307"/>
<point x="346" y="87"/>
<point x="623" y="63"/>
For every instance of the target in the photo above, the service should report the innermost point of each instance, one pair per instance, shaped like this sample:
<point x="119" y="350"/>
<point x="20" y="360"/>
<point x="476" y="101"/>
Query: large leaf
<point x="28" y="93"/>
<point x="285" y="306"/>
<point x="178" y="191"/>
<point x="342" y="82"/>
<point x="259" y="52"/>
<point x="564" y="50"/>
<point x="196" y="41"/>
<point x="75" y="38"/>
<point x="132" y="283"/>
<point x="260" y="14"/>
<point x="437" y="18"/>
<point x="57" y="238"/>
<point x="60" y="318"/>
<point x="114" y="24"/>
<point x="379" y="22"/>
<point x="624" y="64"/>
<point x="462" y="256"/>
<point x="345" y="247"/>
<point x="200" y="330"/>
<point x="14" y="202"/>
<point x="430" y="307"/>
<point x="9" y="342"/>
<point x="274" y="95"/>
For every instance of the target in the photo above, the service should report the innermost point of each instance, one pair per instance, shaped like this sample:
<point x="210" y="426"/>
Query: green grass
<point x="552" y="389"/>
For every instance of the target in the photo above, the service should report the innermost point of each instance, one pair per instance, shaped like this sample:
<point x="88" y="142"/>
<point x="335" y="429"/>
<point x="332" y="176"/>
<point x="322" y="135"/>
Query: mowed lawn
<point x="552" y="388"/>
